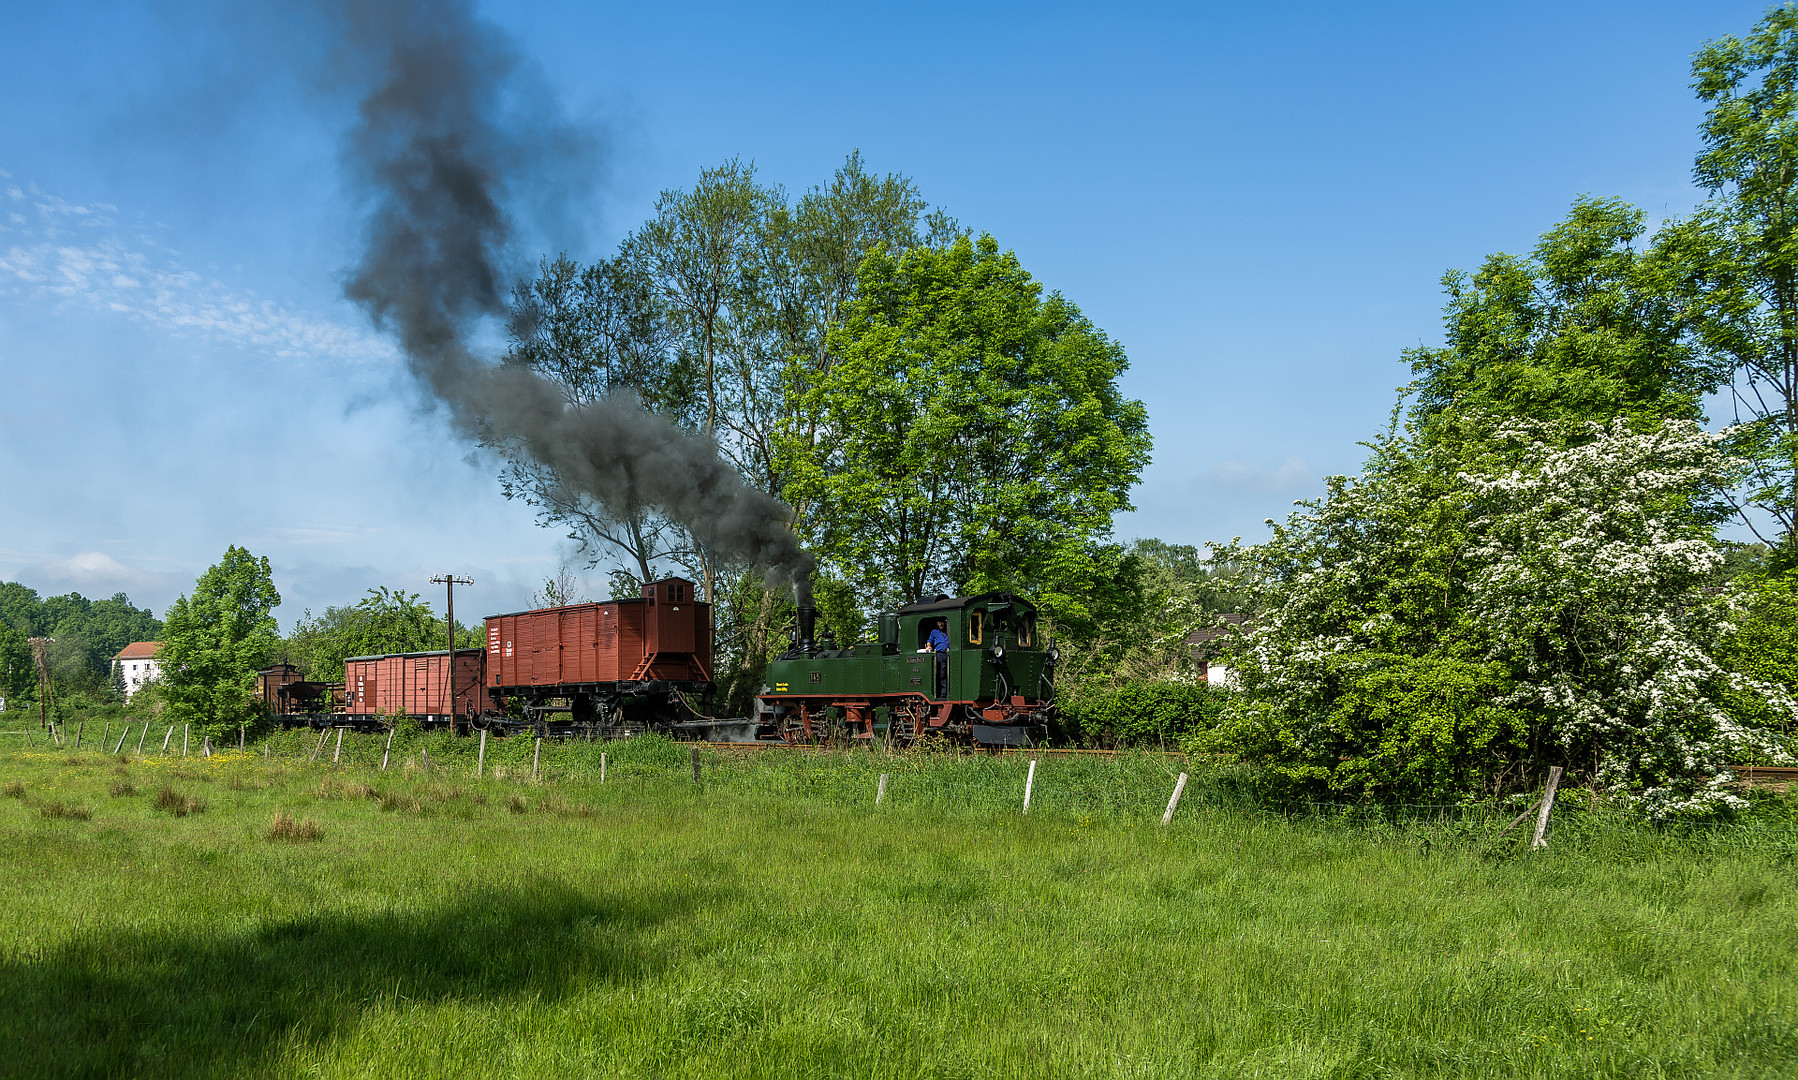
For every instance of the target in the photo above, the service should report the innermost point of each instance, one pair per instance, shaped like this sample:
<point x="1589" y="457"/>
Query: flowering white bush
<point x="1436" y="626"/>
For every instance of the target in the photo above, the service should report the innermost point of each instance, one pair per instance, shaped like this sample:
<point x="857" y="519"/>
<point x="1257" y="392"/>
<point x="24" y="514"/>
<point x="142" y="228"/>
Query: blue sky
<point x="1256" y="200"/>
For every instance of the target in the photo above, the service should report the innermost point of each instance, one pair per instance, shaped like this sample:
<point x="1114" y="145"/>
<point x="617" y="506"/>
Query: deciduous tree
<point x="1737" y="258"/>
<point x="216" y="637"/>
<point x="970" y="433"/>
<point x="384" y="621"/>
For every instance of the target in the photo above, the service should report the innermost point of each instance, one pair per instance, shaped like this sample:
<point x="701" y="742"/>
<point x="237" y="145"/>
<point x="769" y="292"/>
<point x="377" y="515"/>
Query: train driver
<point x="939" y="644"/>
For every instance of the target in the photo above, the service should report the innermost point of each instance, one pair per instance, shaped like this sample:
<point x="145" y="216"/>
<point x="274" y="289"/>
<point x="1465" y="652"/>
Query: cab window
<point x="976" y="626"/>
<point x="1027" y="631"/>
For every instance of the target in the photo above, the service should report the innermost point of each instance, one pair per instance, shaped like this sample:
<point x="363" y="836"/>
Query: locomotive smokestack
<point x="808" y="622"/>
<point x="454" y="131"/>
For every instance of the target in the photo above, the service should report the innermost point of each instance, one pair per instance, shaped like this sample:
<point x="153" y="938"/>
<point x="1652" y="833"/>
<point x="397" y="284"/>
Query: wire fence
<point x="1118" y="787"/>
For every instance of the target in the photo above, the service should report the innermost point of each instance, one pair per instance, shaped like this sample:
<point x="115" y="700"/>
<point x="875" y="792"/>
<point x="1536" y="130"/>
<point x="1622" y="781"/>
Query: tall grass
<point x="771" y="921"/>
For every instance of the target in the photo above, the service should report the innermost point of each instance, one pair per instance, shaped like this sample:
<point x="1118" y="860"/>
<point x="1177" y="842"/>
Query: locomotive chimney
<point x="808" y="621"/>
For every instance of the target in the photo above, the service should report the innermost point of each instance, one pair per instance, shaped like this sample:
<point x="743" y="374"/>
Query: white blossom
<point x="1571" y="561"/>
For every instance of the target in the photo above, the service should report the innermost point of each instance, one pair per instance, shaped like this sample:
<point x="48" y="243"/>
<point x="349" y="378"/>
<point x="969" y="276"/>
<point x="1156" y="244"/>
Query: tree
<point x="18" y="675"/>
<point x="970" y="433"/>
<point x="1442" y="624"/>
<point x="1737" y="257"/>
<point x="87" y="634"/>
<point x="214" y="640"/>
<point x="1585" y="328"/>
<point x="559" y="590"/>
<point x="20" y="607"/>
<point x="700" y="248"/>
<point x="1158" y="594"/>
<point x="594" y="332"/>
<point x="384" y="621"/>
<point x="714" y="314"/>
<point x="1764" y="647"/>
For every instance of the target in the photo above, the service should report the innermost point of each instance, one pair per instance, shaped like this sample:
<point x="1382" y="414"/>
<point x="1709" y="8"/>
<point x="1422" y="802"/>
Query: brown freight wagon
<point x="595" y="657"/>
<point x="421" y="684"/>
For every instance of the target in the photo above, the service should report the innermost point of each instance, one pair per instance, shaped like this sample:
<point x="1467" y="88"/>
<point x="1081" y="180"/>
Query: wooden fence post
<point x="186" y="729"/>
<point x="141" y="735"/>
<point x="880" y="792"/>
<point x="388" y="749"/>
<point x="536" y="755"/>
<point x="240" y="736"/>
<point x="206" y="746"/>
<point x="480" y="761"/>
<point x="337" y="754"/>
<point x="1173" y="802"/>
<point x="166" y="738"/>
<point x="319" y="747"/>
<point x="694" y="751"/>
<point x="123" y="735"/>
<point x="79" y="728"/>
<point x="105" y="734"/>
<point x="1548" y="805"/>
<point x="602" y="767"/>
<point x="1029" y="785"/>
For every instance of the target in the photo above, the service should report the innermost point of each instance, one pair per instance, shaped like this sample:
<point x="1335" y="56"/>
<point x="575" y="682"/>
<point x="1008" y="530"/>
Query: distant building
<point x="1206" y="645"/>
<point x="136" y="665"/>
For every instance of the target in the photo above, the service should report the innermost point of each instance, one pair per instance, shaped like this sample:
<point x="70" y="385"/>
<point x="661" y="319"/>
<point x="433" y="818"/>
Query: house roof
<point x="1203" y="641"/>
<point x="139" y="650"/>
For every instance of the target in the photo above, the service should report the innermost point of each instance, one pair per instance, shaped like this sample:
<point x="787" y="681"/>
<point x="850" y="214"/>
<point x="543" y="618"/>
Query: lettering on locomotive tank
<point x="817" y="676"/>
<point x="917" y="680"/>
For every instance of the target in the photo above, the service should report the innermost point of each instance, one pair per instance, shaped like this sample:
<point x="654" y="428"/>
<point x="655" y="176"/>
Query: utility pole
<point x="40" y="647"/>
<point x="450" y="581"/>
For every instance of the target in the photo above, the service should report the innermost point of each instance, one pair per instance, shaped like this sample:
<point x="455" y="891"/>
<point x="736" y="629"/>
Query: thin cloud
<point x="52" y="249"/>
<point x="1294" y="475"/>
<point x="95" y="574"/>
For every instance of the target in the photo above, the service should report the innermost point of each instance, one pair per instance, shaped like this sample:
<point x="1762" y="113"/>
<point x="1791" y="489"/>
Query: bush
<point x="1138" y="713"/>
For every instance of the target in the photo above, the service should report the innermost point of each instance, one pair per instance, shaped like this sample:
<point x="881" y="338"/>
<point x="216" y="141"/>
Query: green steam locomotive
<point x="971" y="669"/>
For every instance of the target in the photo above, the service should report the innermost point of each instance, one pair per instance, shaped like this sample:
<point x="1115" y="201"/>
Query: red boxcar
<point x="416" y="684"/>
<point x="664" y="635"/>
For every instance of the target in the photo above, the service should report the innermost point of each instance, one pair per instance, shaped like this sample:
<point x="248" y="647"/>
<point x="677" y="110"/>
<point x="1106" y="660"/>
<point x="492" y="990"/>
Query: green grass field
<point x="771" y="921"/>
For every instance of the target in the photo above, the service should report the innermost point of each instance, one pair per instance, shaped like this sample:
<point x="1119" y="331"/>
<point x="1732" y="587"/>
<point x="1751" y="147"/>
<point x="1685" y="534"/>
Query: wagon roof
<point x="952" y="603"/>
<point x="407" y="655"/>
<point x="597" y="603"/>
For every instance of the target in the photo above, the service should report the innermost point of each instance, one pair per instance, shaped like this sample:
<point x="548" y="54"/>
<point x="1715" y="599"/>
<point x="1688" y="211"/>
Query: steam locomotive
<point x="985" y="679"/>
<point x="622" y="667"/>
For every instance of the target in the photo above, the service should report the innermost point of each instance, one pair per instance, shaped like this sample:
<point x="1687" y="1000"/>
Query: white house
<point x="1204" y="645"/>
<point x="136" y="663"/>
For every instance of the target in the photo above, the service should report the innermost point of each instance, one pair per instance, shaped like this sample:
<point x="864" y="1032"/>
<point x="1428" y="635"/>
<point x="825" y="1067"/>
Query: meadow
<point x="267" y="913"/>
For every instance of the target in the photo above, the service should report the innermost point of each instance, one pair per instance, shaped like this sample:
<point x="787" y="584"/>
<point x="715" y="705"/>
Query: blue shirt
<point x="939" y="641"/>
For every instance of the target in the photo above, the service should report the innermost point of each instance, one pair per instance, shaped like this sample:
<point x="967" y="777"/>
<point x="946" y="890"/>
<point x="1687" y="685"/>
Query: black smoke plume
<point x="454" y="130"/>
